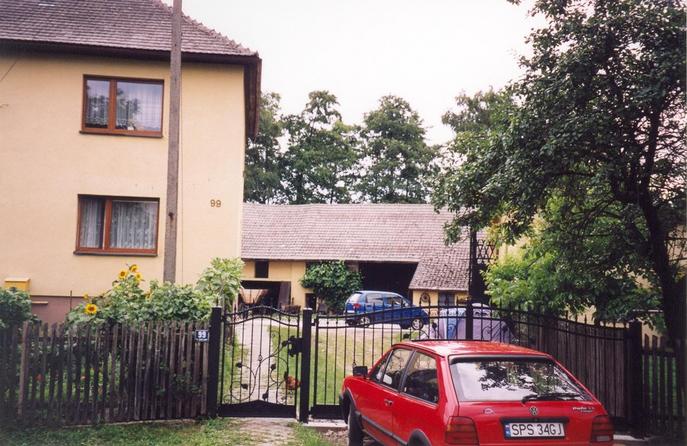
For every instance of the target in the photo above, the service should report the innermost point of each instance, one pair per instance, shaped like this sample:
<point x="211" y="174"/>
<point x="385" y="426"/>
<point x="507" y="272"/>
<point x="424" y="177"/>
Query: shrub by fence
<point x="108" y="373"/>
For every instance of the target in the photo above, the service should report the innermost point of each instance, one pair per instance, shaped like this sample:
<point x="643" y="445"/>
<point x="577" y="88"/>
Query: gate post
<point x="633" y="376"/>
<point x="306" y="334"/>
<point x="469" y="323"/>
<point x="214" y="345"/>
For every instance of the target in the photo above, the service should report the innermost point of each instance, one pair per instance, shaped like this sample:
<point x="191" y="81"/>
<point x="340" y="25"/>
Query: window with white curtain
<point x="122" y="106"/>
<point x="117" y="225"/>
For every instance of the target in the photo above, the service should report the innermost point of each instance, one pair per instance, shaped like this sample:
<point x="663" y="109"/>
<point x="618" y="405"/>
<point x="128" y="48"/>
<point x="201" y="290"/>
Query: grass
<point x="304" y="436"/>
<point x="207" y="433"/>
<point x="222" y="431"/>
<point x="233" y="376"/>
<point x="339" y="350"/>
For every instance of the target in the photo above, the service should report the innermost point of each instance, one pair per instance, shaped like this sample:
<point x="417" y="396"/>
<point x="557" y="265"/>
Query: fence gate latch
<point x="295" y="345"/>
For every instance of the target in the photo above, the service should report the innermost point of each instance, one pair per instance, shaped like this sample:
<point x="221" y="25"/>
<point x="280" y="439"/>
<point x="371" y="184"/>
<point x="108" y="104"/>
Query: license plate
<point x="534" y="430"/>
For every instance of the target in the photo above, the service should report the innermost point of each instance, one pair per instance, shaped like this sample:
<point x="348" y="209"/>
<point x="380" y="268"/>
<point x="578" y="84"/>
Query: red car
<point x="429" y="393"/>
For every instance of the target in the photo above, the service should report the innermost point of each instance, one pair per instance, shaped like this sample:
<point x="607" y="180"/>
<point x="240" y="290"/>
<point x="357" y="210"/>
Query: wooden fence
<point x="663" y="399"/>
<point x="60" y="375"/>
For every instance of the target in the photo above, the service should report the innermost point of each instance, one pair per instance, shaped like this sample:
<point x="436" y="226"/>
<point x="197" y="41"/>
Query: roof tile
<point x="412" y="233"/>
<point x="131" y="24"/>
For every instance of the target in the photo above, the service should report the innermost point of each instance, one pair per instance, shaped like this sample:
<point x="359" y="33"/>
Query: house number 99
<point x="215" y="203"/>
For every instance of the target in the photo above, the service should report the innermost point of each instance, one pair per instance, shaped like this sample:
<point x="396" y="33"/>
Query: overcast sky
<point x="425" y="51"/>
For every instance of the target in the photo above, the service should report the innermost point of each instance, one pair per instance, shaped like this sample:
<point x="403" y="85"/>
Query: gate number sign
<point x="201" y="335"/>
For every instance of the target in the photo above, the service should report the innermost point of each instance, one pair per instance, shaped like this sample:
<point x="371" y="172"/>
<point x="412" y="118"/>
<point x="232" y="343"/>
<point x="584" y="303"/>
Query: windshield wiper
<point x="550" y="396"/>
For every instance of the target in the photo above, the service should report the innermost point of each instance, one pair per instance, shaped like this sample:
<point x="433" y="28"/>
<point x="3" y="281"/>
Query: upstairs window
<point x="113" y="225"/>
<point x="122" y="106"/>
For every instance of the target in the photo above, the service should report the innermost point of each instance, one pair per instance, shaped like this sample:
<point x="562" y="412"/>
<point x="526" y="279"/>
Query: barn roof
<point x="405" y="233"/>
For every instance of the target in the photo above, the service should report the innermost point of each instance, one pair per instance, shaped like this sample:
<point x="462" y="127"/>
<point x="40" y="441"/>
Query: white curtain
<point x="97" y="105"/>
<point x="91" y="224"/>
<point x="139" y="106"/>
<point x="134" y="224"/>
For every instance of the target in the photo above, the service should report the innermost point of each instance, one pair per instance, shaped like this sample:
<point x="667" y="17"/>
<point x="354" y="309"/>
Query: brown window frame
<point x="112" y="107"/>
<point x="107" y="222"/>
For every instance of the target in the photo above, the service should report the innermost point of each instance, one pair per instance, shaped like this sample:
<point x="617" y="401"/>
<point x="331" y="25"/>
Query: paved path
<point x="255" y="336"/>
<point x="267" y="431"/>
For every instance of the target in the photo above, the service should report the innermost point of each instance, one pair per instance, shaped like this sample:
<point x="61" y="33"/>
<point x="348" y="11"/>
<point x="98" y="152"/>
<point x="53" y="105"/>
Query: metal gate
<point x="261" y="363"/>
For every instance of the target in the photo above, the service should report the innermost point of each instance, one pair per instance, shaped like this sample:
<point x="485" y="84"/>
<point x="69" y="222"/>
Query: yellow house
<point x="84" y="88"/>
<point x="396" y="247"/>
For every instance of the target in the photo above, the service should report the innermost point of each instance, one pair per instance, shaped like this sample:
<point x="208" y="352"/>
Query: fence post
<point x="633" y="376"/>
<point x="469" y="323"/>
<point x="214" y="345"/>
<point x="306" y="334"/>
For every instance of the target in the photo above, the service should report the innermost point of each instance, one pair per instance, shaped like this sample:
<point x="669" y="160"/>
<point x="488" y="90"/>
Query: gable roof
<point x="134" y="24"/>
<point x="126" y="28"/>
<point x="408" y="233"/>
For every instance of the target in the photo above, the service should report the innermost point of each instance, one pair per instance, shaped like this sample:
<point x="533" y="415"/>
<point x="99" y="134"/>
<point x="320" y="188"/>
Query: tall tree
<point x="262" y="176"/>
<point x="398" y="165"/>
<point x="600" y="123"/>
<point x="318" y="165"/>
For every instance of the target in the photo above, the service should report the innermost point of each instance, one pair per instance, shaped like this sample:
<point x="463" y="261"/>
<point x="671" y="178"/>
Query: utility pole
<point x="170" y="254"/>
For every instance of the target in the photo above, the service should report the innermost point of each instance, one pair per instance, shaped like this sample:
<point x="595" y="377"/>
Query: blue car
<point x="379" y="307"/>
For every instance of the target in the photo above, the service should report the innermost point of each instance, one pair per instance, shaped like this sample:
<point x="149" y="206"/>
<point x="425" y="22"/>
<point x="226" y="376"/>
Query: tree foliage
<point x="333" y="282"/>
<point x="597" y="123"/>
<point x="262" y="176"/>
<point x="398" y="165"/>
<point x="318" y="165"/>
<point x="546" y="275"/>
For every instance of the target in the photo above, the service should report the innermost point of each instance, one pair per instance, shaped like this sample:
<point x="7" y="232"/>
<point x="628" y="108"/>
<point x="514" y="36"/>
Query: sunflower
<point x="90" y="309"/>
<point x="86" y="296"/>
<point x="133" y="268"/>
<point x="138" y="277"/>
<point x="122" y="274"/>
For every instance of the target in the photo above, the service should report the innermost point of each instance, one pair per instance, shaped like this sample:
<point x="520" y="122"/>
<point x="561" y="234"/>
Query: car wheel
<point x="417" y="324"/>
<point x="364" y="321"/>
<point x="355" y="433"/>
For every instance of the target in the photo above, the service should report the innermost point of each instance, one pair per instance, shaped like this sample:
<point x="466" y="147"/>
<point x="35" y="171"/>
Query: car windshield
<point x="512" y="379"/>
<point x="354" y="298"/>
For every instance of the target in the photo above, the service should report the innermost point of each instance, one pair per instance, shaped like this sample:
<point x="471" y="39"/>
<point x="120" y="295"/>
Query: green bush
<point x="221" y="281"/>
<point x="333" y="282"/>
<point x="127" y="301"/>
<point x="15" y="307"/>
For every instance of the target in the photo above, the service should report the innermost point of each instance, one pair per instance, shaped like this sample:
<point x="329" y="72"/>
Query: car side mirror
<point x="360" y="370"/>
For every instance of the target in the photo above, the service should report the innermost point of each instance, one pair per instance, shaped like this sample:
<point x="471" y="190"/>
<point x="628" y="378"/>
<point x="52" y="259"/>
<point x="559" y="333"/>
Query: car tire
<point x="364" y="321"/>
<point x="417" y="324"/>
<point x="355" y="432"/>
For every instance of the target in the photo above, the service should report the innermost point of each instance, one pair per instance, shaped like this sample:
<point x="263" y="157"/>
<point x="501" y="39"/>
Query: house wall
<point x="281" y="271"/>
<point x="46" y="162"/>
<point x="461" y="296"/>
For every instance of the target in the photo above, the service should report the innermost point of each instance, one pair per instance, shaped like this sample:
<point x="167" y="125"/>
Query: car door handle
<point x="388" y="402"/>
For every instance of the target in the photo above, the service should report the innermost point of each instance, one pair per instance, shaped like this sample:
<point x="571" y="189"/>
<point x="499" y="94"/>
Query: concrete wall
<point x="281" y="271"/>
<point x="46" y="162"/>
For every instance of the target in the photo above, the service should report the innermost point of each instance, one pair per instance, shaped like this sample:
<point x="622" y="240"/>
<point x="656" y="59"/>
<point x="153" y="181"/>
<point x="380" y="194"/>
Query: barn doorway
<point x="382" y="276"/>
<point x="274" y="294"/>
